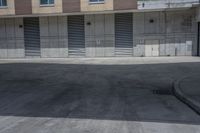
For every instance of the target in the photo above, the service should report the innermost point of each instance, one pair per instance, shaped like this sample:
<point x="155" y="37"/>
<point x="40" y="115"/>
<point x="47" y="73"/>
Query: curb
<point x="184" y="98"/>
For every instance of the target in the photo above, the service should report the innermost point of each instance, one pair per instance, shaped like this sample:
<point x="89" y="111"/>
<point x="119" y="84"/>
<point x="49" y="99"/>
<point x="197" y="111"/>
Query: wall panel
<point x="10" y="35"/>
<point x="19" y="37"/>
<point x="125" y="4"/>
<point x="109" y="35"/>
<point x="63" y="33"/>
<point x="3" y="40"/>
<point x="53" y="33"/>
<point x="23" y="7"/>
<point x="99" y="35"/>
<point x="90" y="39"/>
<point x="71" y="6"/>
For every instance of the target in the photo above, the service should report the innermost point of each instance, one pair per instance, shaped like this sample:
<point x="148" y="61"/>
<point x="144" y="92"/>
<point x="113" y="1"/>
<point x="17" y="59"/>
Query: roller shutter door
<point x="124" y="34"/>
<point x="76" y="36"/>
<point x="32" y="37"/>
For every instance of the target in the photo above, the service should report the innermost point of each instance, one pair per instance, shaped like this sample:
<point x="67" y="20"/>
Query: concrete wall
<point x="175" y="30"/>
<point x="163" y="4"/>
<point x="99" y="35"/>
<point x="53" y="34"/>
<point x="198" y="14"/>
<point x="11" y="38"/>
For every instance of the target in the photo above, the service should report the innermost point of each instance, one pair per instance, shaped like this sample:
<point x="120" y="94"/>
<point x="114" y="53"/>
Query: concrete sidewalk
<point x="106" y="61"/>
<point x="187" y="89"/>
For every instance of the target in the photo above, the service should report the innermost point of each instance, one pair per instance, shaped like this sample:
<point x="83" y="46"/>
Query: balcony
<point x="166" y="4"/>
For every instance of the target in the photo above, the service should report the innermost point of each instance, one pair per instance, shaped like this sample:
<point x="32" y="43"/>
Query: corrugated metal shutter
<point x="76" y="36"/>
<point x="124" y="34"/>
<point x="32" y="37"/>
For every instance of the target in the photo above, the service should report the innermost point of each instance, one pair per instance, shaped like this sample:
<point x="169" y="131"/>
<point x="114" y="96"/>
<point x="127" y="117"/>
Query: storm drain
<point x="162" y="92"/>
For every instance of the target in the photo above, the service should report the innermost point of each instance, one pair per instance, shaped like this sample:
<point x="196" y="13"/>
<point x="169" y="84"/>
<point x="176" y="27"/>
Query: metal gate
<point x="32" y="37"/>
<point x="124" y="34"/>
<point x="76" y="36"/>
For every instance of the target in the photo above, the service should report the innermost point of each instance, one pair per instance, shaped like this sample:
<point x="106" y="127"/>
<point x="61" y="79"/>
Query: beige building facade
<point x="88" y="7"/>
<point x="37" y="8"/>
<point x="9" y="9"/>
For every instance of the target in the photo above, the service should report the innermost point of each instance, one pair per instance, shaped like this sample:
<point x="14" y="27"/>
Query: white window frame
<point x="1" y="6"/>
<point x="43" y="5"/>
<point x="97" y="2"/>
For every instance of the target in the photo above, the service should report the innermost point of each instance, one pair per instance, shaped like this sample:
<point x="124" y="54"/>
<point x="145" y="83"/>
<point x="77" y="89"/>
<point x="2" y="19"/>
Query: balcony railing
<point x="164" y="4"/>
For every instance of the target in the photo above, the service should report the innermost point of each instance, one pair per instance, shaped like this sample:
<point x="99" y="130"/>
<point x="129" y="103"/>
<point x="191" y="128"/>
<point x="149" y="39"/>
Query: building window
<point x="46" y="2"/>
<point x="96" y="1"/>
<point x="3" y="3"/>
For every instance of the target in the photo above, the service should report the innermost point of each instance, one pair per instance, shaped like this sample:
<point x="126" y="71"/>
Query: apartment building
<point x="98" y="28"/>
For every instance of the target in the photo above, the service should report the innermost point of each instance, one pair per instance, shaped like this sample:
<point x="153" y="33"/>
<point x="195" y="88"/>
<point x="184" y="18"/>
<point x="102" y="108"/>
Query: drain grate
<point x="162" y="92"/>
